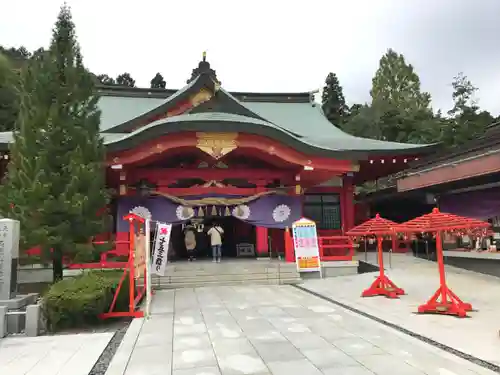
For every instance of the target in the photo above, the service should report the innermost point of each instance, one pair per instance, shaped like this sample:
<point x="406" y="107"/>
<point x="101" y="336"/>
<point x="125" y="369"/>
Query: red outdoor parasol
<point x="378" y="227"/>
<point x="444" y="301"/>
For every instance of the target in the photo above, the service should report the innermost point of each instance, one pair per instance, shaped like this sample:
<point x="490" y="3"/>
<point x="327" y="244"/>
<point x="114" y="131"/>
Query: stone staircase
<point x="229" y="272"/>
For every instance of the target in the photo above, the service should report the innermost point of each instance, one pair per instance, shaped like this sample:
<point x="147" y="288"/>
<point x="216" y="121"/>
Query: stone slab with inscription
<point x="9" y="255"/>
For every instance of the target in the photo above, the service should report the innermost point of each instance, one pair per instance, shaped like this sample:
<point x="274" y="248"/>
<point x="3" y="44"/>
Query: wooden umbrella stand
<point x="443" y="301"/>
<point x="378" y="227"/>
<point x="382" y="286"/>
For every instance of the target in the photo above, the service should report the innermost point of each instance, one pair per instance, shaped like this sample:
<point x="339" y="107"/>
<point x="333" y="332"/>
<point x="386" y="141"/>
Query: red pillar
<point x="261" y="233"/>
<point x="262" y="245"/>
<point x="348" y="201"/>
<point x="289" y="253"/>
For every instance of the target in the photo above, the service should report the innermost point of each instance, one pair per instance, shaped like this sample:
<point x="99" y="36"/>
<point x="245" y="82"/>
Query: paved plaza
<point x="277" y="330"/>
<point x="282" y="330"/>
<point x="51" y="355"/>
<point x="478" y="335"/>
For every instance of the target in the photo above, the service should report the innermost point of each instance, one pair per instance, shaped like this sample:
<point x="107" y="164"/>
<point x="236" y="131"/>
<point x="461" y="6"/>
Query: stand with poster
<point x="305" y="242"/>
<point x="160" y="247"/>
<point x="137" y="267"/>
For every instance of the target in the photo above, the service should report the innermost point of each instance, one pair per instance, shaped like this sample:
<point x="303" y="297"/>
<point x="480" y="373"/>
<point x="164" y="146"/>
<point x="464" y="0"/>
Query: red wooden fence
<point x="335" y="248"/>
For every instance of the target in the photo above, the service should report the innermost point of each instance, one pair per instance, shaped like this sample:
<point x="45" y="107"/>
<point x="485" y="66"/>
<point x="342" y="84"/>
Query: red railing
<point x="121" y="250"/>
<point x="335" y="248"/>
<point x="401" y="245"/>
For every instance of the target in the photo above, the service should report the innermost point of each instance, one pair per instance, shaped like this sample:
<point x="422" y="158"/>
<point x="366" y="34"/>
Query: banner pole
<point x="148" y="267"/>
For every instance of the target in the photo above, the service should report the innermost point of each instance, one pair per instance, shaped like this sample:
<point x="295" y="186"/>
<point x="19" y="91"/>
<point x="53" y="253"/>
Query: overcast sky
<point x="277" y="45"/>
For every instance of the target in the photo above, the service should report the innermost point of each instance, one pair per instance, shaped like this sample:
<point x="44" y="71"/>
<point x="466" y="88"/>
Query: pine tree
<point x="465" y="122"/>
<point x="158" y="82"/>
<point x="333" y="101"/>
<point x="24" y="186"/>
<point x="125" y="80"/>
<point x="9" y="82"/>
<point x="106" y="80"/>
<point x="67" y="158"/>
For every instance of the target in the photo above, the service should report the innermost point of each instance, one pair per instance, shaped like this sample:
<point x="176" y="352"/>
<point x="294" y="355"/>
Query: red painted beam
<point x="198" y="190"/>
<point x="460" y="170"/>
<point x="156" y="149"/>
<point x="208" y="174"/>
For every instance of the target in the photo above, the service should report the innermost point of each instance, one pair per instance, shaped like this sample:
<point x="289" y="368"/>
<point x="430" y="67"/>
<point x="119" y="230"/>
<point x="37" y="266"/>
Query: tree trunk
<point x="57" y="264"/>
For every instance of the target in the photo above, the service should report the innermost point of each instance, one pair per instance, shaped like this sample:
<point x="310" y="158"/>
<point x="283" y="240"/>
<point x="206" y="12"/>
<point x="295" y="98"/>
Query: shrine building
<point x="253" y="162"/>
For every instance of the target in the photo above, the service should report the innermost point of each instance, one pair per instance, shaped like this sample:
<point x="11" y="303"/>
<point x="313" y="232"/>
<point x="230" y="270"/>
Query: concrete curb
<point x="121" y="358"/>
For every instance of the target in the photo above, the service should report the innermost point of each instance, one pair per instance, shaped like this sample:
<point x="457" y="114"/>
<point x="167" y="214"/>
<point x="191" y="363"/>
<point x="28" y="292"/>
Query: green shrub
<point x="78" y="301"/>
<point x="112" y="278"/>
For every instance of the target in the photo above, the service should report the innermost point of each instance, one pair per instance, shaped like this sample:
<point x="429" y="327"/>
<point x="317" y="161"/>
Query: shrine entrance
<point x="238" y="239"/>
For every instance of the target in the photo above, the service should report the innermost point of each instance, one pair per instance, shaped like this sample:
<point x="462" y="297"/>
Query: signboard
<point x="160" y="249"/>
<point x="305" y="242"/>
<point x="139" y="254"/>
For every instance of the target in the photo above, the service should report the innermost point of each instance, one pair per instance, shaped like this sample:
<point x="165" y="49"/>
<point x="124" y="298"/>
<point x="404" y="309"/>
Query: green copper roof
<point x="225" y="122"/>
<point x="115" y="110"/>
<point x="297" y="122"/>
<point x="289" y="118"/>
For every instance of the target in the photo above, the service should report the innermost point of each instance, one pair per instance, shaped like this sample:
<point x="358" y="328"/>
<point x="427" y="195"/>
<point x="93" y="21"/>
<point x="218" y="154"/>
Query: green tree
<point x="465" y="121"/>
<point x="24" y="185"/>
<point x="64" y="152"/>
<point x="404" y="110"/>
<point x="364" y="122"/>
<point x="9" y="85"/>
<point x="106" y="80"/>
<point x="158" y="82"/>
<point x="333" y="101"/>
<point x="38" y="54"/>
<point x="125" y="80"/>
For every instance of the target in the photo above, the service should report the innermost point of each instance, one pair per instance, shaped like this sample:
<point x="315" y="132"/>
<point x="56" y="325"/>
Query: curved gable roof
<point x="161" y="107"/>
<point x="346" y="145"/>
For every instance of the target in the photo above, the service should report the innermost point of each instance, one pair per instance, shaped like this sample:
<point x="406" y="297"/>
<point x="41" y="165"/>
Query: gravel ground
<point x="107" y="355"/>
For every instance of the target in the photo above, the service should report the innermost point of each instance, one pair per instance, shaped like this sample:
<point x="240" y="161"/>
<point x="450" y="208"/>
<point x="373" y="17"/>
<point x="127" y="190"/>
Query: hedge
<point x="77" y="301"/>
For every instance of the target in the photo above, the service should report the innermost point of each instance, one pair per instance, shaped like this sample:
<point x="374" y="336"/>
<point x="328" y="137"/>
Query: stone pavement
<point x="277" y="330"/>
<point x="477" y="335"/>
<point x="51" y="355"/>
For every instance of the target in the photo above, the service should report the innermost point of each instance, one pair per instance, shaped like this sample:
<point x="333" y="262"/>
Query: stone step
<point x="188" y="278"/>
<point x="198" y="284"/>
<point x="227" y="268"/>
<point x="222" y="271"/>
<point x="203" y="272"/>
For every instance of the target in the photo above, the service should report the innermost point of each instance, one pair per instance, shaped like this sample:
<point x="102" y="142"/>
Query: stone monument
<point x="9" y="256"/>
<point x="15" y="310"/>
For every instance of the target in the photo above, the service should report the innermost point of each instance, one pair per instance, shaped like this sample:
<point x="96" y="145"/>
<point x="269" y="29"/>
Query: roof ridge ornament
<point x="203" y="69"/>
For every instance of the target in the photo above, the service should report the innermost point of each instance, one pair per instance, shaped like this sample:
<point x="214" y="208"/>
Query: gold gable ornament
<point x="227" y="212"/>
<point x="216" y="145"/>
<point x="200" y="97"/>
<point x="214" y="211"/>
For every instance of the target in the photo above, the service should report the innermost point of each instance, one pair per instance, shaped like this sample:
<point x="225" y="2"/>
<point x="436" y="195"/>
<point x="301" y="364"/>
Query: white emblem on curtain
<point x="184" y="213"/>
<point x="281" y="213"/>
<point x="142" y="212"/>
<point x="242" y="212"/>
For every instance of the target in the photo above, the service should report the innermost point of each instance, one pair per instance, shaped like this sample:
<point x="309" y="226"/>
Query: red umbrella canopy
<point x="375" y="226"/>
<point x="438" y="221"/>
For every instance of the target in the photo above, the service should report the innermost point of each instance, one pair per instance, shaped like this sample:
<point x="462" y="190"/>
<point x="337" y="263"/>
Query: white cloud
<point x="277" y="45"/>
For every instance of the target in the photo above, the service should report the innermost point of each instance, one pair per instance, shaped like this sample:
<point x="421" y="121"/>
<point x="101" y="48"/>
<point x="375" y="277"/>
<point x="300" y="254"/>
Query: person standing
<point x="215" y="233"/>
<point x="190" y="242"/>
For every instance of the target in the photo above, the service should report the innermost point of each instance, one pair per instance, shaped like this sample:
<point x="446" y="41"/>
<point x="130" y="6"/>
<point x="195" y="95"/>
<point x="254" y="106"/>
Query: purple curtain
<point x="479" y="204"/>
<point x="270" y="211"/>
